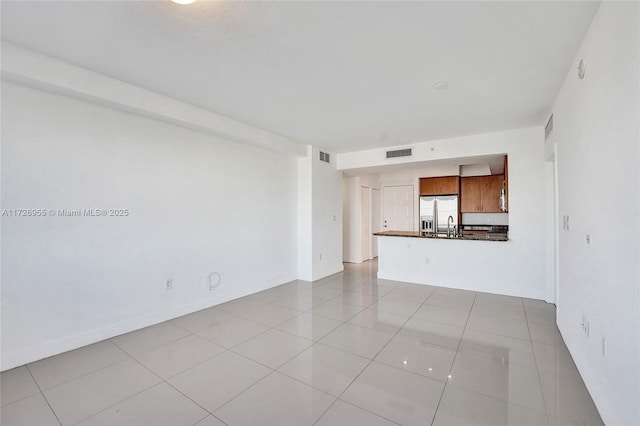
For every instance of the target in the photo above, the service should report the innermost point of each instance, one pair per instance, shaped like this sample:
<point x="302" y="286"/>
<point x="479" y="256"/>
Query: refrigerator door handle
<point x="435" y="215"/>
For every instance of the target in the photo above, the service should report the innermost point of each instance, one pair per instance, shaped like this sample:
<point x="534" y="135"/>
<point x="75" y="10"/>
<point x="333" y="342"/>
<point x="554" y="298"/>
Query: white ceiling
<point x="341" y="75"/>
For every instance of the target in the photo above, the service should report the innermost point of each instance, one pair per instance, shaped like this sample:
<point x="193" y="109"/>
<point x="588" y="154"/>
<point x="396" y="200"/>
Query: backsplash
<point x="485" y="218"/>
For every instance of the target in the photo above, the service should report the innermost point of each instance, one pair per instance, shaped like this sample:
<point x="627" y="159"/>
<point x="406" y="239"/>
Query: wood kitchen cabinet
<point x="448" y="185"/>
<point x="481" y="194"/>
<point x="491" y="187"/>
<point x="428" y="186"/>
<point x="470" y="197"/>
<point x="445" y="185"/>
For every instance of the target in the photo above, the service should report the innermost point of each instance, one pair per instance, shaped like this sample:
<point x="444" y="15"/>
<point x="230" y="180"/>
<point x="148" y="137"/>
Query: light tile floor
<point x="346" y="350"/>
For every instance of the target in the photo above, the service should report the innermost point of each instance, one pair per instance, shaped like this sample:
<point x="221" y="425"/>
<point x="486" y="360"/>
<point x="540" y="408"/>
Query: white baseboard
<point x="336" y="269"/>
<point x="22" y="356"/>
<point x="30" y="354"/>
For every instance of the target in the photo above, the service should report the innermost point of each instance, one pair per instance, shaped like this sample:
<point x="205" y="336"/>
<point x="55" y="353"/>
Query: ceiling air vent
<point x="548" y="128"/>
<point x="324" y="156"/>
<point x="399" y="153"/>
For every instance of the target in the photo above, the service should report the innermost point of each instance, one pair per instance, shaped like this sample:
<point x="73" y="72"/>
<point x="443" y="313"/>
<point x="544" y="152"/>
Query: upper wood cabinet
<point x="439" y="185"/>
<point x="481" y="194"/>
<point x="448" y="185"/>
<point x="470" y="198"/>
<point x="428" y="186"/>
<point x="491" y="187"/>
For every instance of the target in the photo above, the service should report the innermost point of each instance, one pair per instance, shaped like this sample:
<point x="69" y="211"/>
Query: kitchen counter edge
<point x="416" y="234"/>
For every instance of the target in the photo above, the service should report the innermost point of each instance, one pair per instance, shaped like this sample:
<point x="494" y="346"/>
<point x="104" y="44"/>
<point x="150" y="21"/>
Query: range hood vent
<point x="399" y="153"/>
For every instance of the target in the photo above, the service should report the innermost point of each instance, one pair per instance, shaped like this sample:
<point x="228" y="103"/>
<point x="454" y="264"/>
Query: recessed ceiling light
<point x="183" y="1"/>
<point x="441" y="85"/>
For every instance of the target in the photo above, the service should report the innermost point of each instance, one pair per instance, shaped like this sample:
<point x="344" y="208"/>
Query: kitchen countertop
<point x="416" y="234"/>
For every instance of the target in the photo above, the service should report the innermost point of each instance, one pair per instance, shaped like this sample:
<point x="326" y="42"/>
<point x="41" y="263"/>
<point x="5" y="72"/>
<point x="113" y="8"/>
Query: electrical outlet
<point x="168" y="285"/>
<point x="588" y="238"/>
<point x="604" y="347"/>
<point x="320" y="256"/>
<point x="565" y="222"/>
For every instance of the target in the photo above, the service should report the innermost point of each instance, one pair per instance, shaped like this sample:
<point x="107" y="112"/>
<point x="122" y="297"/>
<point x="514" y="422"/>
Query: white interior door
<point x="397" y="208"/>
<point x="375" y="221"/>
<point x="365" y="224"/>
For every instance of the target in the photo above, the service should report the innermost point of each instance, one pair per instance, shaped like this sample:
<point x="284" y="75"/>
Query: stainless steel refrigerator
<point x="435" y="211"/>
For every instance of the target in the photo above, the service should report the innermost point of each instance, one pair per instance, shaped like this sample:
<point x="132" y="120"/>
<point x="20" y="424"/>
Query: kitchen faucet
<point x="449" y="222"/>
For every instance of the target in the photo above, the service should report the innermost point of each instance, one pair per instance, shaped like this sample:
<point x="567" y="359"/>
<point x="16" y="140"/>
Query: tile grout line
<point x="41" y="393"/>
<point x="259" y="363"/>
<point x="509" y="318"/>
<point x="110" y="364"/>
<point x="79" y="377"/>
<point x="266" y="366"/>
<point x="346" y="321"/>
<point x="535" y="361"/>
<point x="244" y="391"/>
<point x="209" y="413"/>
<point x="129" y="397"/>
<point x="493" y="397"/>
<point x="226" y="349"/>
<point x="370" y="362"/>
<point x="435" y="412"/>
<point x="116" y="403"/>
<point x="358" y="375"/>
<point x="162" y="379"/>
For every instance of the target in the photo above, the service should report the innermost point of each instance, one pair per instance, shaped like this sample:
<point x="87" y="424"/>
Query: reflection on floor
<point x="346" y="350"/>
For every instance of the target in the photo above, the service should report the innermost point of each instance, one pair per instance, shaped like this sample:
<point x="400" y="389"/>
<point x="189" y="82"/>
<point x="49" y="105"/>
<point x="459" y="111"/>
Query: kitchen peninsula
<point x="461" y="262"/>
<point x="462" y="235"/>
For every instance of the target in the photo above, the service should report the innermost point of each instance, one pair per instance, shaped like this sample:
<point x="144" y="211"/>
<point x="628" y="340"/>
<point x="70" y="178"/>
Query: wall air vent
<point x="324" y="156"/>
<point x="399" y="153"/>
<point x="548" y="128"/>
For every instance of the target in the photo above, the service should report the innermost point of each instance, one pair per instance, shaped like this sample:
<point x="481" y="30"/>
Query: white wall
<point x="352" y="206"/>
<point x="370" y="181"/>
<point x="596" y="124"/>
<point x="327" y="217"/>
<point x="351" y="201"/>
<point x="550" y="231"/>
<point x="305" y="217"/>
<point x="320" y="188"/>
<point x="206" y="194"/>
<point x="527" y="253"/>
<point x="197" y="204"/>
